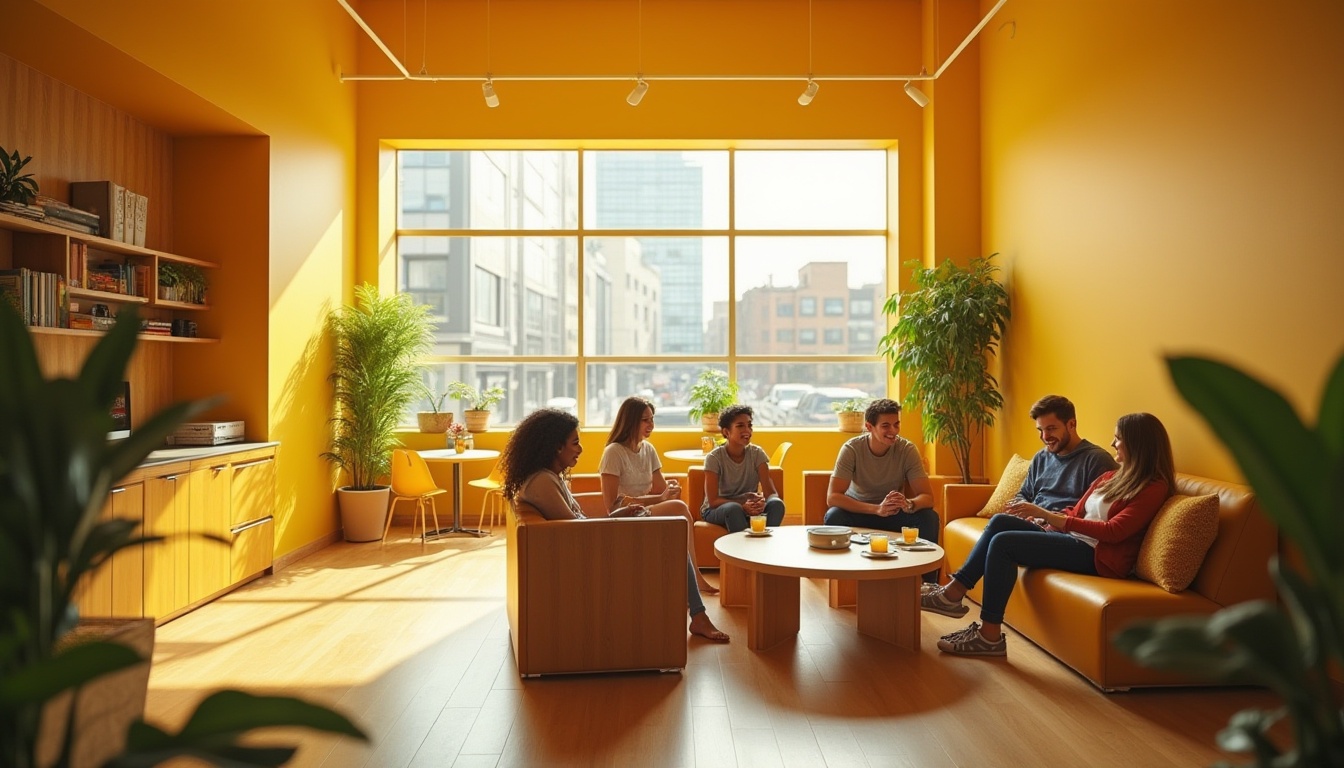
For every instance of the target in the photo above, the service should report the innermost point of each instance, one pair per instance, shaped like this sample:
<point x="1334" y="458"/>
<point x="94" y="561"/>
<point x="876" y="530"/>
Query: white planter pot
<point x="363" y="513"/>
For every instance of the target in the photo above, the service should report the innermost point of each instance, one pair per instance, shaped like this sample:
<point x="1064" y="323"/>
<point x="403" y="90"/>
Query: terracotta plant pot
<point x="850" y="421"/>
<point x="477" y="421"/>
<point x="363" y="513"/>
<point x="709" y="422"/>
<point x="434" y="422"/>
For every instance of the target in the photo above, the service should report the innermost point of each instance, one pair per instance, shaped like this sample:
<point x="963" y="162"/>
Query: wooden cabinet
<point x="208" y="523"/>
<point x="116" y="588"/>
<point x="167" y="514"/>
<point x="252" y="525"/>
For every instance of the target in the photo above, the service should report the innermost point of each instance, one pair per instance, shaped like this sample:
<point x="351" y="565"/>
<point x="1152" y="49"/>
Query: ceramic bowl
<point x="828" y="536"/>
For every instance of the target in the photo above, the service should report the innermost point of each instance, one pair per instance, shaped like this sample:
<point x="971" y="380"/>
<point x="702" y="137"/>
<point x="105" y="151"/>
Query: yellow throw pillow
<point x="1177" y="541"/>
<point x="1010" y="482"/>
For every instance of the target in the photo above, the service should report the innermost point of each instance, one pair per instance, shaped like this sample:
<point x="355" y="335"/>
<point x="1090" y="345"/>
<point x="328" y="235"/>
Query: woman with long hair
<point x="1100" y="535"/>
<point x="632" y="474"/>
<point x="542" y="450"/>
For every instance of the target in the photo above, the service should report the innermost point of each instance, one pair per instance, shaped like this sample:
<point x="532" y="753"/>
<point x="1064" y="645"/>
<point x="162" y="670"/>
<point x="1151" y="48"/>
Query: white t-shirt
<point x="1097" y="508"/>
<point x="634" y="471"/>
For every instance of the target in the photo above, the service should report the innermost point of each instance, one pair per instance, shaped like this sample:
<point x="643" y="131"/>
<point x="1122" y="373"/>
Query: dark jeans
<point x="732" y="516"/>
<point x="1008" y="542"/>
<point x="926" y="520"/>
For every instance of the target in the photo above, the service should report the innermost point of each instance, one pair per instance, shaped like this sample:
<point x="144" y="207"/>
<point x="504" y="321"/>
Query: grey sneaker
<point x="926" y="587"/>
<point x="934" y="602"/>
<point x="969" y="642"/>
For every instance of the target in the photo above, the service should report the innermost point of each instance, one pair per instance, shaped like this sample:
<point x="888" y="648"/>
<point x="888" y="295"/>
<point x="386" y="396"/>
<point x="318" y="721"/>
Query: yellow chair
<point x="777" y="458"/>
<point x="411" y="480"/>
<point x="494" y="495"/>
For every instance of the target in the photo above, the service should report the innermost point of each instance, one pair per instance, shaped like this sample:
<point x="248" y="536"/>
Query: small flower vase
<point x="460" y="445"/>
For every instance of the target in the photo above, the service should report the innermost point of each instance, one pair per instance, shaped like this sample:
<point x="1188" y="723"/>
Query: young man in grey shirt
<point x="1062" y="471"/>
<point x="872" y="474"/>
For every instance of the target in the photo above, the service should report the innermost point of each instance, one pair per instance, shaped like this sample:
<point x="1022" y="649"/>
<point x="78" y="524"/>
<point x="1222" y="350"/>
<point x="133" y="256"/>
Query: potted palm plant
<point x="947" y="327"/>
<point x="711" y="393"/>
<point x="378" y="346"/>
<point x="57" y="468"/>
<point x="476" y="403"/>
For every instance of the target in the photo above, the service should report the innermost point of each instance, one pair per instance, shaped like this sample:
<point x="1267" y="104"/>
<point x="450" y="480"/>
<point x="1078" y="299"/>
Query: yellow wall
<point x="273" y="66"/>
<point x="1163" y="178"/>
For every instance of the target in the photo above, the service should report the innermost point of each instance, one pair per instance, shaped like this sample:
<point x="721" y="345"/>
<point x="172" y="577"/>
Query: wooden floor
<point x="415" y="647"/>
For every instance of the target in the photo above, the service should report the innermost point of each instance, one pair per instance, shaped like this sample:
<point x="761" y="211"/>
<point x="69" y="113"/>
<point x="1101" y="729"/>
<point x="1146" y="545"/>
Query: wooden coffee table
<point x="888" y="594"/>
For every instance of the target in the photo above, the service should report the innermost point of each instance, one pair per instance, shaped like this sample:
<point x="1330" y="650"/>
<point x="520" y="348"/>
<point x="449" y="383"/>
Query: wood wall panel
<point x="74" y="137"/>
<point x="150" y="371"/>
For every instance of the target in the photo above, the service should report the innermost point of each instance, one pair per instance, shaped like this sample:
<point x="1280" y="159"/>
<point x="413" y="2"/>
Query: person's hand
<point x="672" y="491"/>
<point x="630" y="510"/>
<point x="1021" y="508"/>
<point x="754" y="506"/>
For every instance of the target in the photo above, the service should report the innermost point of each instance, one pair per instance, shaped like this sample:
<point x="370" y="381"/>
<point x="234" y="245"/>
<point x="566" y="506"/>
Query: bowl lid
<point x="830" y="530"/>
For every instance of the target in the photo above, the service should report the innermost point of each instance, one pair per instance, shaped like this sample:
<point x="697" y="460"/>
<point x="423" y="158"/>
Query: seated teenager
<point x="870" y="474"/>
<point x="632" y="474"/>
<point x="734" y="472"/>
<point x="1100" y="536"/>
<point x="542" y="450"/>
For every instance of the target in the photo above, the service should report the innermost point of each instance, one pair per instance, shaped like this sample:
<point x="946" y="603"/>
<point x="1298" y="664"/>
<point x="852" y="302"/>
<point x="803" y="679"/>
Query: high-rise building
<point x="661" y="190"/>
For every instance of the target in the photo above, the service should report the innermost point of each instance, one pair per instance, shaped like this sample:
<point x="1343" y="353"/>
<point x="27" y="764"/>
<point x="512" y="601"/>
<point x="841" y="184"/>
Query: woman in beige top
<point x="541" y="451"/>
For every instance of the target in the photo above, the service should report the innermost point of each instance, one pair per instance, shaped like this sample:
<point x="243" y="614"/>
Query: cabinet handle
<point x="118" y="489"/>
<point x="252" y="524"/>
<point x="169" y="477"/>
<point x="247" y="464"/>
<point x="219" y="468"/>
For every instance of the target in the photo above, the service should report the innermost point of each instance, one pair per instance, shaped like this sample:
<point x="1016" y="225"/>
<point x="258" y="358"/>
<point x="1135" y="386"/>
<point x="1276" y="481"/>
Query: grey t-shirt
<point x="872" y="477"/>
<point x="1057" y="482"/>
<point x="735" y="478"/>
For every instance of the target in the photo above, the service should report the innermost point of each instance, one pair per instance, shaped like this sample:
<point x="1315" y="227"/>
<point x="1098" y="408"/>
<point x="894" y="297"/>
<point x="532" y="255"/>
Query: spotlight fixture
<point x="809" y="93"/>
<point x="916" y="95"/>
<point x="637" y="94"/>
<point x="488" y="89"/>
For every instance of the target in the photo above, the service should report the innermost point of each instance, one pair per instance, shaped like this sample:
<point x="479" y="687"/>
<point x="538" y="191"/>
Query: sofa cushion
<point x="1009" y="484"/>
<point x="1177" y="540"/>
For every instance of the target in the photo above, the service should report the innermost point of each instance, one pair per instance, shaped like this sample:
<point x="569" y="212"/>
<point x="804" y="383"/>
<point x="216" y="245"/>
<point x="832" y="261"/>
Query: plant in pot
<point x="434" y="421"/>
<point x="711" y="393"/>
<point x="947" y="327"/>
<point x="57" y="468"/>
<point x="378" y="344"/>
<point x="1290" y="646"/>
<point x="476" y="403"/>
<point x="849" y="413"/>
<point x="16" y="187"/>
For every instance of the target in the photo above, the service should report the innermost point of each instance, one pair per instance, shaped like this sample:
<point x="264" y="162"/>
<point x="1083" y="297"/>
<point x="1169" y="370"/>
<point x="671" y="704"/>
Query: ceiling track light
<point x="809" y="93"/>
<point x="488" y="90"/>
<point x="916" y="95"/>
<point x="637" y="94"/>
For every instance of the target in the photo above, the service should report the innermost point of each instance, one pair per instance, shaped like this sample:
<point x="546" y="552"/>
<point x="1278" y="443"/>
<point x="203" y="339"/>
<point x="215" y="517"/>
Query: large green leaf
<point x="1330" y="423"/>
<point x="42" y="680"/>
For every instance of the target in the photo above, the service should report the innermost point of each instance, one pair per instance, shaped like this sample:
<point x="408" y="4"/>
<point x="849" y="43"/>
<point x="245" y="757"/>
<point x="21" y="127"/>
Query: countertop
<point x="193" y="452"/>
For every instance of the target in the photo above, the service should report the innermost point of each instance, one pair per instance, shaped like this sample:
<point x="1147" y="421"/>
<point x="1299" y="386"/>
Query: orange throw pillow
<point x="1010" y="482"/>
<point x="1177" y="541"/>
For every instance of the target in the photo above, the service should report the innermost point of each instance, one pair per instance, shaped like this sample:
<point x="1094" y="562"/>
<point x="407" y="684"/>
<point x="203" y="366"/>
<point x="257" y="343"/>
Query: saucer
<point x="916" y="543"/>
<point x="755" y="535"/>
<point x="878" y="555"/>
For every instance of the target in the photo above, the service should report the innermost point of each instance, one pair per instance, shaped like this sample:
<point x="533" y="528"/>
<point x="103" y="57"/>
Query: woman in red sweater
<point x="1100" y="535"/>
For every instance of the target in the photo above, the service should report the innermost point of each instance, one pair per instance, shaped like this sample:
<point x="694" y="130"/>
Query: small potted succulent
<point x="849" y="413"/>
<point x="15" y="187"/>
<point x="477" y="403"/>
<point x="711" y="393"/>
<point x="435" y="421"/>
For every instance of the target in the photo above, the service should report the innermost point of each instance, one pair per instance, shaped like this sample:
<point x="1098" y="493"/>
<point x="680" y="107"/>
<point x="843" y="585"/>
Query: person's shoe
<point x="934" y="602"/>
<point x="925" y="587"/>
<point x="969" y="642"/>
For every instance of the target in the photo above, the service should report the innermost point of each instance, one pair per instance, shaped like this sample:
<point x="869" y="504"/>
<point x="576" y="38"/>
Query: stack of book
<point x="21" y="210"/>
<point x="122" y="214"/>
<point x="156" y="327"/>
<point x="39" y="297"/>
<point x="67" y="216"/>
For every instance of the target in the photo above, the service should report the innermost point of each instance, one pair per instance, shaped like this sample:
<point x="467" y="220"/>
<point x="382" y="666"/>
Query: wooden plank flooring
<point x="415" y="647"/>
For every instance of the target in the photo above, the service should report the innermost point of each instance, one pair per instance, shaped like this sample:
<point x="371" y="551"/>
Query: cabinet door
<point x="208" y="558"/>
<point x="128" y="565"/>
<point x="93" y="593"/>
<point x="252" y="550"/>
<point x="167" y="500"/>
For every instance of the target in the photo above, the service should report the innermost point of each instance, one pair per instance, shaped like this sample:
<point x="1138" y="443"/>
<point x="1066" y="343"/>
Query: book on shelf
<point x="141" y="219"/>
<point x="78" y="264"/>
<point x="22" y="211"/>
<point x="105" y="199"/>
<point x="57" y="212"/>
<point x="128" y="217"/>
<point x="40" y="297"/>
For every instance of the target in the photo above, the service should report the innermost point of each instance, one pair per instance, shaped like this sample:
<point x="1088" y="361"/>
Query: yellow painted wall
<point x="1164" y="178"/>
<point x="273" y="66"/>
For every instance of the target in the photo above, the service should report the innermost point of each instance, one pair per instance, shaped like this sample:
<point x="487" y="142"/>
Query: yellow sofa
<point x="596" y="595"/>
<point x="1074" y="617"/>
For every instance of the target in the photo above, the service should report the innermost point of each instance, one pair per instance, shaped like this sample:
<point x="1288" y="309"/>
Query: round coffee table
<point x="888" y="589"/>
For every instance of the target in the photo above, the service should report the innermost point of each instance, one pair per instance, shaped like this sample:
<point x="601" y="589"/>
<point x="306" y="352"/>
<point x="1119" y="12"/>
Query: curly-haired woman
<point x="542" y="449"/>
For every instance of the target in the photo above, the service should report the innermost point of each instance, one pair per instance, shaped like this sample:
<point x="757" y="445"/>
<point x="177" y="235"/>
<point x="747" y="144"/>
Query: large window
<point x="650" y="276"/>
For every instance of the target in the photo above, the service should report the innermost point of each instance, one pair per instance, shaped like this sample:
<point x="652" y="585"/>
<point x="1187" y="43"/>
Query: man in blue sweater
<point x="1066" y="467"/>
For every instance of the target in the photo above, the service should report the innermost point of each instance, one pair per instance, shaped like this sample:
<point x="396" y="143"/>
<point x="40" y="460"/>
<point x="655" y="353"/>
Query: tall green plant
<point x="946" y="329"/>
<point x="379" y="344"/>
<point x="1298" y="474"/>
<point x="57" y="468"/>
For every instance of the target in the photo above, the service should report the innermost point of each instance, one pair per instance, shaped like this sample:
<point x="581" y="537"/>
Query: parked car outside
<point x="814" y="408"/>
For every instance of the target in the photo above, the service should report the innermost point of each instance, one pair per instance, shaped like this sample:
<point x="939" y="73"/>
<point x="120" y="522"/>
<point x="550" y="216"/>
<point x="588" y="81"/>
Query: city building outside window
<point x="577" y="303"/>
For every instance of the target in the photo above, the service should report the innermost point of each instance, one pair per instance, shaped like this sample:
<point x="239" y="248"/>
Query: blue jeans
<point x="1008" y="542"/>
<point x="732" y="516"/>
<point x="694" y="603"/>
<point x="926" y="520"/>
